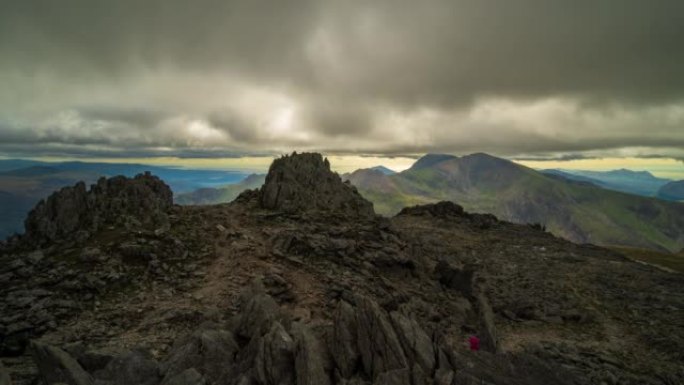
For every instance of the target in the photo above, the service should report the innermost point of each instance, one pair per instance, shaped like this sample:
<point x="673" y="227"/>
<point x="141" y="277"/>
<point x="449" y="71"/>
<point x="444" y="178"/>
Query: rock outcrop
<point x="4" y="376"/>
<point x="365" y="344"/>
<point x="74" y="212"/>
<point x="56" y="366"/>
<point x="304" y="183"/>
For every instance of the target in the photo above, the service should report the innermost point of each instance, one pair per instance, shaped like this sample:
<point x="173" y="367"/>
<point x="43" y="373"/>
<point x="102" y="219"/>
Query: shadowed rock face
<point x="304" y="183"/>
<point x="76" y="212"/>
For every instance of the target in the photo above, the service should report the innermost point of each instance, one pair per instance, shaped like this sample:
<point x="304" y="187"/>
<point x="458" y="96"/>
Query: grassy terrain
<point x="485" y="184"/>
<point x="668" y="260"/>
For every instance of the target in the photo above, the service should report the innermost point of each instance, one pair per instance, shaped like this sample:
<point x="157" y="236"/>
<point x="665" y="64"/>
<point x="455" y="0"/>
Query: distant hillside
<point x="577" y="211"/>
<point x="180" y="180"/>
<point x="632" y="182"/>
<point x="209" y="196"/>
<point x="673" y="191"/>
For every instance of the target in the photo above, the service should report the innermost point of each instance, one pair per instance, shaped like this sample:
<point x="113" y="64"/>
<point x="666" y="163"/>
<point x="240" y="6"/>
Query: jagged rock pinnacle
<point x="304" y="182"/>
<point x="76" y="212"/>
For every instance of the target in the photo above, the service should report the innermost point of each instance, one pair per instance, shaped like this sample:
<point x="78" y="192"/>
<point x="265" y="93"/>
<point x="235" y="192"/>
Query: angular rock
<point x="274" y="362"/>
<point x="56" y="366"/>
<point x="209" y="351"/>
<point x="461" y="280"/>
<point x="259" y="310"/>
<point x="4" y="376"/>
<point x="488" y="335"/>
<point x="378" y="343"/>
<point x="135" y="367"/>
<point x="394" y="377"/>
<point x="343" y="347"/>
<point x="310" y="359"/>
<point x="303" y="182"/>
<point x="417" y="344"/>
<point x="186" y="377"/>
<point x="74" y="211"/>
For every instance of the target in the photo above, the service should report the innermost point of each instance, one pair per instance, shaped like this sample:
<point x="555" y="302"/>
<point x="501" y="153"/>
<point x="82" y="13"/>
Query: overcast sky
<point x="527" y="78"/>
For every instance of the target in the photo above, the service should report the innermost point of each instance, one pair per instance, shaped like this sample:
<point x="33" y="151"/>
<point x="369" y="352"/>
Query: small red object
<point x="474" y="343"/>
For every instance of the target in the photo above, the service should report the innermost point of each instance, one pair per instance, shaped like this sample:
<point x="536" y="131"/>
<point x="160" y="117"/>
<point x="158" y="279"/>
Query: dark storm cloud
<point x="392" y="77"/>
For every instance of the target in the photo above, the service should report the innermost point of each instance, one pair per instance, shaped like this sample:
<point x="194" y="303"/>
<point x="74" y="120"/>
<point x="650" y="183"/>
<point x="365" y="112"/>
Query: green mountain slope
<point x="486" y="184"/>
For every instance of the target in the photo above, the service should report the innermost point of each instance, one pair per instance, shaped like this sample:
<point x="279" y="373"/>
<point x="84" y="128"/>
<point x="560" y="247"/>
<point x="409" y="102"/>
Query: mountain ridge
<point x="486" y="184"/>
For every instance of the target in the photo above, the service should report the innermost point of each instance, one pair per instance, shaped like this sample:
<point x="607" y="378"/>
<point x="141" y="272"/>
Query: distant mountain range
<point x="384" y="170"/>
<point x="578" y="205"/>
<point x="23" y="183"/>
<point x="579" y="208"/>
<point x="211" y="195"/>
<point x="673" y="191"/>
<point x="628" y="181"/>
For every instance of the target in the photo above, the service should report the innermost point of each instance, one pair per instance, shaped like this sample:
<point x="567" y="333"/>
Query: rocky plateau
<point x="300" y="282"/>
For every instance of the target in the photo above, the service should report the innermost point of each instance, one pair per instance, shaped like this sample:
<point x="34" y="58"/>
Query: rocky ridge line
<point x="74" y="212"/>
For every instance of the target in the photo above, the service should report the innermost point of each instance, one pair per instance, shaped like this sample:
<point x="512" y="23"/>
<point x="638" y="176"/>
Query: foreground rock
<point x="364" y="344"/>
<point x="56" y="366"/>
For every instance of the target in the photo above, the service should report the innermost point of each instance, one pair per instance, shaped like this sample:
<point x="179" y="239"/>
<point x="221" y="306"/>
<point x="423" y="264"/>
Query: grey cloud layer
<point x="217" y="77"/>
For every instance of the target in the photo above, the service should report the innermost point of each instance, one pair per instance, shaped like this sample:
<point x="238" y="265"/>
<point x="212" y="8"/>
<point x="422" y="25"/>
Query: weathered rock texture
<point x="383" y="348"/>
<point x="304" y="183"/>
<point x="76" y="212"/>
<point x="338" y="299"/>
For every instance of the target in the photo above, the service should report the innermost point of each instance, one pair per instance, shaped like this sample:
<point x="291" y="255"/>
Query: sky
<point x="220" y="82"/>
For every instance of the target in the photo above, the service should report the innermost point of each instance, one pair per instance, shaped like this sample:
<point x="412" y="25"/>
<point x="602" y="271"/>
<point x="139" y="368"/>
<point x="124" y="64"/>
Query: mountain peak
<point x="429" y="160"/>
<point x="383" y="169"/>
<point x="304" y="182"/>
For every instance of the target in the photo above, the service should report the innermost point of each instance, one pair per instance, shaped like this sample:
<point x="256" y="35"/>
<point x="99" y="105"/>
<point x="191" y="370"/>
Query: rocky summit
<point x="73" y="211"/>
<point x="299" y="282"/>
<point x="304" y="183"/>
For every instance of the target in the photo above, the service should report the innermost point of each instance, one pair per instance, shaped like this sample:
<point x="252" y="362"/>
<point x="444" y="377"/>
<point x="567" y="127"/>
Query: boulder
<point x="488" y="335"/>
<point x="461" y="280"/>
<point x="417" y="344"/>
<point x="135" y="367"/>
<point x="4" y="376"/>
<point x="257" y="313"/>
<point x="394" y="377"/>
<point x="209" y="351"/>
<point x="57" y="366"/>
<point x="274" y="362"/>
<point x="378" y="343"/>
<point x="186" y="377"/>
<point x="343" y="347"/>
<point x="310" y="359"/>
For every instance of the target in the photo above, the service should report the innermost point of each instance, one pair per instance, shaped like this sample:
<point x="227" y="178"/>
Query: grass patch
<point x="664" y="259"/>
